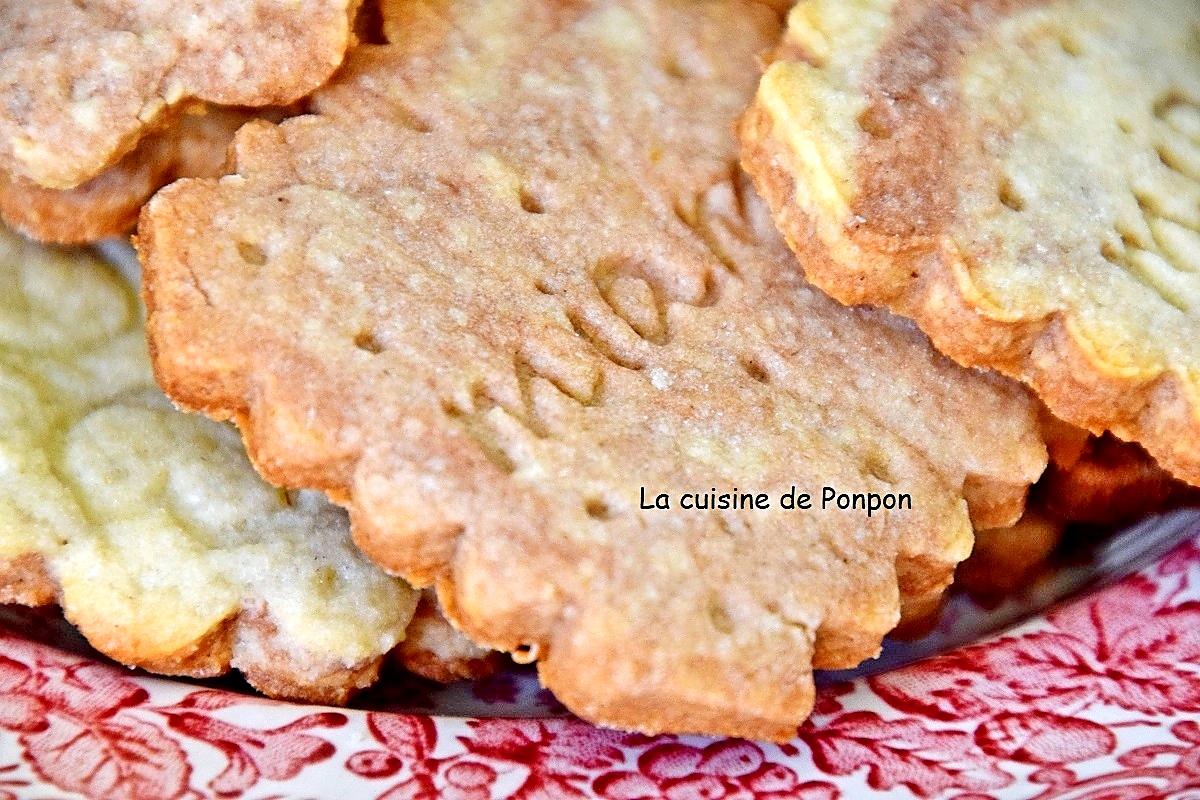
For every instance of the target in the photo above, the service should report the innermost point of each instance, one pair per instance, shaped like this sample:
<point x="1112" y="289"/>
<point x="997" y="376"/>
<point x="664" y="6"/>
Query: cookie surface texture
<point x="555" y="291"/>
<point x="82" y="83"/>
<point x="149" y="526"/>
<point x="1022" y="178"/>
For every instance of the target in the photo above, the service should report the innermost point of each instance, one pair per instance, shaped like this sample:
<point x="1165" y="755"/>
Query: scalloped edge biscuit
<point x="554" y="563"/>
<point x="107" y="205"/>
<point x="805" y="170"/>
<point x="49" y="566"/>
<point x="78" y="92"/>
<point x="433" y="648"/>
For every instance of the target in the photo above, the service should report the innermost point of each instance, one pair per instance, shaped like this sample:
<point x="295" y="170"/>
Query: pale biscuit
<point x="507" y="276"/>
<point x="82" y="83"/>
<point x="1022" y="178"/>
<point x="149" y="526"/>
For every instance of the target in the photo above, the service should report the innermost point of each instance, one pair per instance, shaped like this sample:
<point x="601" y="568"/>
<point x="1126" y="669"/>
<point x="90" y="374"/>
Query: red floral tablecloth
<point x="1100" y="698"/>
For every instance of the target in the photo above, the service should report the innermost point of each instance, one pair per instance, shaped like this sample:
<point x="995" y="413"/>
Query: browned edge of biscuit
<point x="68" y="217"/>
<point x="1109" y="482"/>
<point x="304" y="79"/>
<point x="26" y="580"/>
<point x="433" y="648"/>
<point x="922" y="282"/>
<point x="328" y="683"/>
<point x="428" y="665"/>
<point x="193" y="142"/>
<point x="1007" y="559"/>
<point x="107" y="204"/>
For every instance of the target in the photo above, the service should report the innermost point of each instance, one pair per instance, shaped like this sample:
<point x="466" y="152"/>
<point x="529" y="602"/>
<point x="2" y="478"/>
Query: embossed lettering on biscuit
<point x="508" y="274"/>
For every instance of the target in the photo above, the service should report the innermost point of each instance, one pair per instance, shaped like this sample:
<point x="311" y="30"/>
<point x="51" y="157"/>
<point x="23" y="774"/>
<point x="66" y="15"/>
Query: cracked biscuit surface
<point x="82" y="83"/>
<point x="507" y="275"/>
<point x="1022" y="178"/>
<point x="149" y="527"/>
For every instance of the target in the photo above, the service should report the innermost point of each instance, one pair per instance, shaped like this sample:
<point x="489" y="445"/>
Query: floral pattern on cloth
<point x="1098" y="699"/>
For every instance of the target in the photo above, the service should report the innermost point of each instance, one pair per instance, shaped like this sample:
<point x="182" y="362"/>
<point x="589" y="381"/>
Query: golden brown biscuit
<point x="508" y="277"/>
<point x="1006" y="559"/>
<point x="1020" y="178"/>
<point x="82" y="83"/>
<point x="1096" y="481"/>
<point x="149" y="527"/>
<point x="108" y="204"/>
<point x="435" y="649"/>
<point x="1107" y="482"/>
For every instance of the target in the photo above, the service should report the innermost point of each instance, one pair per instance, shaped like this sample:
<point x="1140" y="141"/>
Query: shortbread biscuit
<point x="1108" y="482"/>
<point x="149" y="526"/>
<point x="434" y="649"/>
<point x="1006" y="560"/>
<point x="508" y="281"/>
<point x="1023" y="179"/>
<point x="82" y="83"/>
<point x="108" y="204"/>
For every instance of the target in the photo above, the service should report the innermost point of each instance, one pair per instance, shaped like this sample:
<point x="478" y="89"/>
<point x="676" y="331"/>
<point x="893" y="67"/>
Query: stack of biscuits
<point x="491" y="288"/>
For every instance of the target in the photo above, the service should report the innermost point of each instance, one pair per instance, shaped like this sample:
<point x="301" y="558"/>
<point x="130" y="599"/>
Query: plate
<point x="1096" y="697"/>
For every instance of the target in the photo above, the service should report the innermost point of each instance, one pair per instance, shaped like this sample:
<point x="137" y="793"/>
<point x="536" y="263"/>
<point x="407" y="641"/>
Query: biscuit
<point x="108" y="204"/>
<point x="1020" y="178"/>
<point x="508" y="280"/>
<point x="434" y="649"/>
<point x="149" y="527"/>
<point x="1104" y="481"/>
<point x="82" y="83"/>
<point x="1006" y="560"/>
